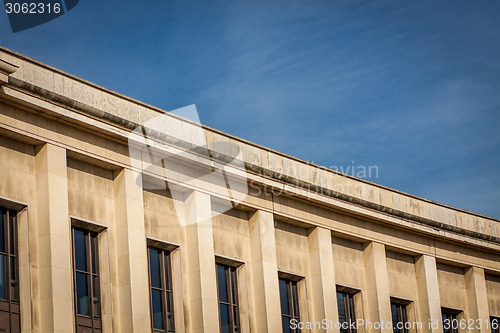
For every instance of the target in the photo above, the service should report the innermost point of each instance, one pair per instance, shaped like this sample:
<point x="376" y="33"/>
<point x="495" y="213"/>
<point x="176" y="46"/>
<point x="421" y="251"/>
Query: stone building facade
<point x="108" y="225"/>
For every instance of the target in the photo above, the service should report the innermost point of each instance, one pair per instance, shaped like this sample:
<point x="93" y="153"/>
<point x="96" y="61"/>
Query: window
<point x="86" y="281"/>
<point x="347" y="318"/>
<point x="9" y="273"/>
<point x="228" y="299"/>
<point x="289" y="304"/>
<point x="495" y="324"/>
<point x="399" y="318"/>
<point x="450" y="321"/>
<point x="160" y="284"/>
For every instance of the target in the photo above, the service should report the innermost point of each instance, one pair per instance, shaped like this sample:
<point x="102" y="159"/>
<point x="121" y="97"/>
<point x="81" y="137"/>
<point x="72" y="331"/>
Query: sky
<point x="409" y="87"/>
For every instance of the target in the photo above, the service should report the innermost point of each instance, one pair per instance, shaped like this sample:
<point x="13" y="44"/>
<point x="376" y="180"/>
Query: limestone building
<point x="119" y="217"/>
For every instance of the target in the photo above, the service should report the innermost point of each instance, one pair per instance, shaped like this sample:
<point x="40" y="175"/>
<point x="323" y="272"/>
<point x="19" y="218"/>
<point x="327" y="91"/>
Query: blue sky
<point x="412" y="87"/>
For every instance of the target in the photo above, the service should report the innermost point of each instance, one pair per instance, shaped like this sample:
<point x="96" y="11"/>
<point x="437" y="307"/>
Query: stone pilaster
<point x="477" y="297"/>
<point x="54" y="241"/>
<point x="377" y="287"/>
<point x="264" y="271"/>
<point x="322" y="277"/>
<point x="132" y="310"/>
<point x="200" y="265"/>
<point x="428" y="294"/>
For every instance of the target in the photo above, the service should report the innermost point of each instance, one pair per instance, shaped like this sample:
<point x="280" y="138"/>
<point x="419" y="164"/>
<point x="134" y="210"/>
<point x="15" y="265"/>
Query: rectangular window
<point x="160" y="284"/>
<point x="495" y="324"/>
<point x="347" y="318"/>
<point x="9" y="273"/>
<point x="289" y="298"/>
<point x="399" y="318"/>
<point x="229" y="312"/>
<point x="86" y="281"/>
<point x="450" y="321"/>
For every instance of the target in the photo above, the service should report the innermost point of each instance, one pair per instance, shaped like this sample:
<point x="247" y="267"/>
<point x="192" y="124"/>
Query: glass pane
<point x="236" y="316"/>
<point x="82" y="295"/>
<point x="224" y="318"/>
<point x="394" y="313"/>
<point x="13" y="238"/>
<point x="2" y="228"/>
<point x="285" y="322"/>
<point x="157" y="301"/>
<point x="96" y="301"/>
<point x="154" y="267"/>
<point x="234" y="286"/>
<point x="167" y="267"/>
<point x="80" y="251"/>
<point x="284" y="297"/>
<point x="13" y="271"/>
<point x="14" y="286"/>
<point x="342" y="311"/>
<point x="170" y="321"/>
<point x="93" y="244"/>
<point x="3" y="278"/>
<point x="495" y="322"/>
<point x="222" y="284"/>
<point x="295" y="295"/>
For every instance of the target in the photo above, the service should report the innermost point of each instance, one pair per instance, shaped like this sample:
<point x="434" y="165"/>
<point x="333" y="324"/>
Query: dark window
<point x="86" y="281"/>
<point x="495" y="324"/>
<point x="160" y="284"/>
<point x="450" y="321"/>
<point x="289" y="304"/>
<point x="9" y="273"/>
<point x="228" y="299"/>
<point x="399" y="318"/>
<point x="347" y="318"/>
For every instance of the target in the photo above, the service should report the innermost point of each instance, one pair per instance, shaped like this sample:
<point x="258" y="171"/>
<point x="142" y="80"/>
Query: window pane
<point x="96" y="300"/>
<point x="236" y="316"/>
<point x="224" y="318"/>
<point x="154" y="267"/>
<point x="395" y="319"/>
<point x="341" y="306"/>
<point x="295" y="295"/>
<point x="285" y="322"/>
<point x="13" y="238"/>
<point x="82" y="296"/>
<point x="284" y="297"/>
<point x="157" y="301"/>
<point x="2" y="228"/>
<point x="221" y="281"/>
<point x="3" y="278"/>
<point x="167" y="275"/>
<point x="495" y="322"/>
<point x="14" y="286"/>
<point x="93" y="244"/>
<point x="80" y="251"/>
<point x="234" y="286"/>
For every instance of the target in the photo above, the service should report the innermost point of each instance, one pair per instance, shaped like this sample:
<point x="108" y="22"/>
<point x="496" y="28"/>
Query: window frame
<point x="232" y="296"/>
<point x="350" y="309"/>
<point x="90" y="321"/>
<point x="402" y="317"/>
<point x="450" y="314"/>
<point x="292" y="295"/>
<point x="166" y="289"/>
<point x="10" y="304"/>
